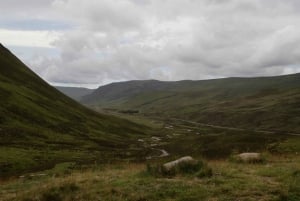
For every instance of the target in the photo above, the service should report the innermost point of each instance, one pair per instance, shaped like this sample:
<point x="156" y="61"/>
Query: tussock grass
<point x="276" y="180"/>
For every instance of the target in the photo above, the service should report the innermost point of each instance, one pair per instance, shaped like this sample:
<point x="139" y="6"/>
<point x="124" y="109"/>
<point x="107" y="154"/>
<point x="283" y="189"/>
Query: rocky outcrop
<point x="250" y="157"/>
<point x="174" y="164"/>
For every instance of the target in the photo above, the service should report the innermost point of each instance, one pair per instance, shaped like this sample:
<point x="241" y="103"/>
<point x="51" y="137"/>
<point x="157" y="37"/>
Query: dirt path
<point x="233" y="128"/>
<point x="164" y="153"/>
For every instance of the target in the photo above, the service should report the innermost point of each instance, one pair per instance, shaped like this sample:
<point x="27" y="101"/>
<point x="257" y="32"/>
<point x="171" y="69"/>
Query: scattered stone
<point x="37" y="175"/>
<point x="169" y="127"/>
<point x="32" y="175"/>
<point x="176" y="134"/>
<point x="155" y="138"/>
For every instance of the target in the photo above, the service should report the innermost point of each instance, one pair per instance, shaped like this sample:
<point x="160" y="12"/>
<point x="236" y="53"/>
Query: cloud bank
<point x="90" y="43"/>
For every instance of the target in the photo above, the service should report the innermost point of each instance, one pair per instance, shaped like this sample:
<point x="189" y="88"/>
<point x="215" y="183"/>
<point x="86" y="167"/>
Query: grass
<point x="276" y="180"/>
<point x="291" y="145"/>
<point x="39" y="126"/>
<point x="266" y="103"/>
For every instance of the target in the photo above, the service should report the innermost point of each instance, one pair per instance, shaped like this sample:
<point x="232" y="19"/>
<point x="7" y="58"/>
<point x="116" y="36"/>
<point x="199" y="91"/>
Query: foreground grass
<point x="278" y="179"/>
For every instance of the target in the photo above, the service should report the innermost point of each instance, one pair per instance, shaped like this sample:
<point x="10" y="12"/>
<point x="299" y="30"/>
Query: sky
<point x="95" y="42"/>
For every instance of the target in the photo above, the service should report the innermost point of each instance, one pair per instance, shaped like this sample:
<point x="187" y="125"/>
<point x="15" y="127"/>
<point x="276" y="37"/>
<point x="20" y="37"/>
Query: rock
<point x="250" y="157"/>
<point x="164" y="153"/>
<point x="155" y="138"/>
<point x="173" y="164"/>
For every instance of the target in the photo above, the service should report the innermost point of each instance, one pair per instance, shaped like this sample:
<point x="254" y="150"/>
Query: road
<point x="233" y="128"/>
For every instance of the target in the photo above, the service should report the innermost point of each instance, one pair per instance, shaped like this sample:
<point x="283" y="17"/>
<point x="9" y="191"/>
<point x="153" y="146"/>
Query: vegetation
<point x="54" y="149"/>
<point x="39" y="126"/>
<point x="276" y="180"/>
<point x="265" y="103"/>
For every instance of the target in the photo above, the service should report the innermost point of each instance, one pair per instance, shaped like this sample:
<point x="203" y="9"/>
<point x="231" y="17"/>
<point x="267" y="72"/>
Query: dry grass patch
<point x="276" y="180"/>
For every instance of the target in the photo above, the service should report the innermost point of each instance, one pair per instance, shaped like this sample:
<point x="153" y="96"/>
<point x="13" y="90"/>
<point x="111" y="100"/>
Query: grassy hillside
<point x="39" y="126"/>
<point x="267" y="103"/>
<point x="74" y="92"/>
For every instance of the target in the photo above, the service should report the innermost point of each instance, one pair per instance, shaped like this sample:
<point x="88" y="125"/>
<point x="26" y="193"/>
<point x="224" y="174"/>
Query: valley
<point x="275" y="179"/>
<point x="262" y="103"/>
<point x="39" y="126"/>
<point x="113" y="146"/>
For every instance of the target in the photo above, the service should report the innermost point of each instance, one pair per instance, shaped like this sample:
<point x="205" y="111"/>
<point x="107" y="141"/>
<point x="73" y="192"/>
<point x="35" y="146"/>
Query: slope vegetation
<point x="267" y="103"/>
<point x="40" y="126"/>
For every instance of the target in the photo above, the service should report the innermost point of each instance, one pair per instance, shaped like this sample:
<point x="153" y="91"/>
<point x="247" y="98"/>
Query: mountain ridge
<point x="248" y="102"/>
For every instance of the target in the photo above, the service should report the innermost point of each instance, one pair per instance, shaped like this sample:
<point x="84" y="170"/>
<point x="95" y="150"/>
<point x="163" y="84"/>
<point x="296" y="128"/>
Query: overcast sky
<point x="95" y="42"/>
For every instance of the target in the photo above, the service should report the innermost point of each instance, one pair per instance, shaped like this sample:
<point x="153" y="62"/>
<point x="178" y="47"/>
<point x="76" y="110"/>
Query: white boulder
<point x="250" y="157"/>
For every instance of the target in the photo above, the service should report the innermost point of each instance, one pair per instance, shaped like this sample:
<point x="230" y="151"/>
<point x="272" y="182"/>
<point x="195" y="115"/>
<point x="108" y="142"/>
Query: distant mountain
<point x="271" y="103"/>
<point x="74" y="92"/>
<point x="116" y="94"/>
<point x="39" y="126"/>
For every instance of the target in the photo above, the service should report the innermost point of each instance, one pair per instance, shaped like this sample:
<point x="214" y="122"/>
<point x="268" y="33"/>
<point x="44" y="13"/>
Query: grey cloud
<point x="31" y="9"/>
<point x="173" y="39"/>
<point x="104" y="15"/>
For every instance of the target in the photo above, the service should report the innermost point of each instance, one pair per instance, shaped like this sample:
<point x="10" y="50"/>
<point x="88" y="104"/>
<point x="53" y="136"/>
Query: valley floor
<point x="277" y="179"/>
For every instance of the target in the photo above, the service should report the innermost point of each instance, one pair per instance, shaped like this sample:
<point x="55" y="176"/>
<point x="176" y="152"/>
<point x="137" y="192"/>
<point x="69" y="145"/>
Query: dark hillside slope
<point x="271" y="103"/>
<point x="40" y="126"/>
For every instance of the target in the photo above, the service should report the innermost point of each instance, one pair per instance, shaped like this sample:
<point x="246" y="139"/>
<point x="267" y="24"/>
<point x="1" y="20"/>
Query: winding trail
<point x="164" y="153"/>
<point x="233" y="128"/>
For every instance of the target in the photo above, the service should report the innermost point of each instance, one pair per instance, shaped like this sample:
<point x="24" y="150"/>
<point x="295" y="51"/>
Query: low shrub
<point x="59" y="193"/>
<point x="52" y="195"/>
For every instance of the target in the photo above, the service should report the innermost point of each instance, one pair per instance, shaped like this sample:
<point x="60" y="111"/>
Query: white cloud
<point x="167" y="40"/>
<point x="29" y="38"/>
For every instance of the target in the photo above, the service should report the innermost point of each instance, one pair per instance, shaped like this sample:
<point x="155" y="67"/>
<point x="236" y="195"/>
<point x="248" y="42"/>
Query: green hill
<point x="39" y="126"/>
<point x="268" y="103"/>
